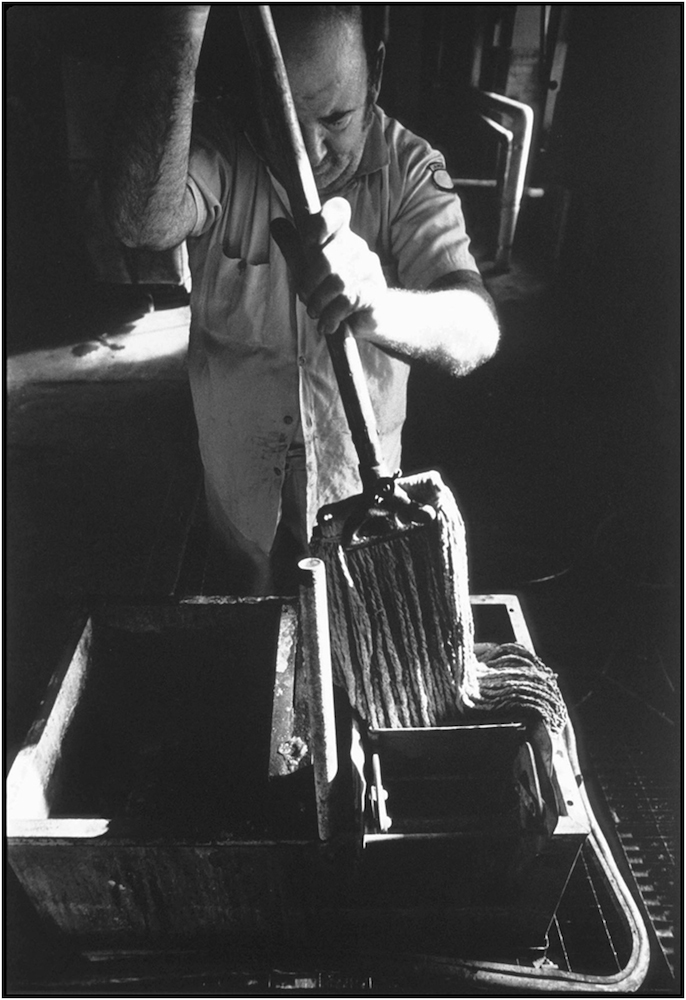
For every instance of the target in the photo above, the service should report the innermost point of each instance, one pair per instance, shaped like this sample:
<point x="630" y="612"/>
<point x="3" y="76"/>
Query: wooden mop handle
<point x="286" y="139"/>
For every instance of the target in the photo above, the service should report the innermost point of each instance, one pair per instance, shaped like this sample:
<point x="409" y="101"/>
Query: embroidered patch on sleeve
<point x="440" y="176"/>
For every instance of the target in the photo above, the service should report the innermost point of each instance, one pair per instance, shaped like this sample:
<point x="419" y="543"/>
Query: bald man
<point x="390" y="255"/>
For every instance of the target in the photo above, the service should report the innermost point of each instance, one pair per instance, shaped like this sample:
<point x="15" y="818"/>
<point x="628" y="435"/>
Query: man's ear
<point x="377" y="72"/>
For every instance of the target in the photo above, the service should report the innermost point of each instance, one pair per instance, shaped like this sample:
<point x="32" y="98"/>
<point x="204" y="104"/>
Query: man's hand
<point x="337" y="276"/>
<point x="340" y="279"/>
<point x="184" y="20"/>
<point x="186" y="10"/>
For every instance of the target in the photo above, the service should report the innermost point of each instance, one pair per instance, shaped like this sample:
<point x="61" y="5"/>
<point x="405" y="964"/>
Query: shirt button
<point x="301" y="360"/>
<point x="288" y="420"/>
<point x="277" y="472"/>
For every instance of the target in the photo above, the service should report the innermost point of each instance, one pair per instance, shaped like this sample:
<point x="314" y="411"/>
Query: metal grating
<point x="643" y="806"/>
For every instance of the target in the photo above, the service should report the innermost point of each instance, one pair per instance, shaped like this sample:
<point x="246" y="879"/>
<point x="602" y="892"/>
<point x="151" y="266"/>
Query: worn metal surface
<point x="317" y="656"/>
<point x="205" y="857"/>
<point x="288" y="750"/>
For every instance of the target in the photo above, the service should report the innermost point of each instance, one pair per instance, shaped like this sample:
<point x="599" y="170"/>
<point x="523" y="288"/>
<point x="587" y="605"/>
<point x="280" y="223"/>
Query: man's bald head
<point x="328" y="66"/>
<point x="294" y="22"/>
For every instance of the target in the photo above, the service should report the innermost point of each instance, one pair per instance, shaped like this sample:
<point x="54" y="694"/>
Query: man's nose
<point x="315" y="143"/>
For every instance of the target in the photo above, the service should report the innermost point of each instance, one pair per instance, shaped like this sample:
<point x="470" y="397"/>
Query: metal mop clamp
<point x="383" y="507"/>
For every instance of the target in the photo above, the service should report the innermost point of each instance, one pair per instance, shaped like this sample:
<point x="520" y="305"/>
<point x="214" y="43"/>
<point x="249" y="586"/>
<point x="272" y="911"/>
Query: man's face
<point x="327" y="71"/>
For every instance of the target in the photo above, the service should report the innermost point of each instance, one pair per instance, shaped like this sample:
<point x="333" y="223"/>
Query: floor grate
<point x="643" y="806"/>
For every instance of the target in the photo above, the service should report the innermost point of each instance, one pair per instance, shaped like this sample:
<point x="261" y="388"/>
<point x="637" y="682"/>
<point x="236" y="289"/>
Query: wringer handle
<point x="286" y="139"/>
<point x="314" y="618"/>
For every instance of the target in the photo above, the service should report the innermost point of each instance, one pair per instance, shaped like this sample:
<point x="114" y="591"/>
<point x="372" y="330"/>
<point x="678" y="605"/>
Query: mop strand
<point x="402" y="631"/>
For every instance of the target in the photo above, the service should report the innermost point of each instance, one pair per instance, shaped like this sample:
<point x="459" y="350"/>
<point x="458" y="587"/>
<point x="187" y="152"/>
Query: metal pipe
<point x="316" y="645"/>
<point x="491" y="182"/>
<point x="514" y="122"/>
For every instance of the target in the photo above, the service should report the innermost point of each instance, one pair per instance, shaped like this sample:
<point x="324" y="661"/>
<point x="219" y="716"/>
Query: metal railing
<point x="513" y="122"/>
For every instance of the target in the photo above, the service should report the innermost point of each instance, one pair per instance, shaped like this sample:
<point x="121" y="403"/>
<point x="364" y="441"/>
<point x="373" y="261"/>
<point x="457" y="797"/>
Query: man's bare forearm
<point x="145" y="177"/>
<point x="453" y="328"/>
<point x="340" y="279"/>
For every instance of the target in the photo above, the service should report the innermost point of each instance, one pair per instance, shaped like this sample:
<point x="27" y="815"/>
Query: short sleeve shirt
<point x="260" y="373"/>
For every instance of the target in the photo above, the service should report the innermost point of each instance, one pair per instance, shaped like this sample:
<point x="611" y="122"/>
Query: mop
<point x="402" y="636"/>
<point x="402" y="632"/>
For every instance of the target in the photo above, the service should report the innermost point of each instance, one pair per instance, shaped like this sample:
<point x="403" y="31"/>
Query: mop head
<point x="402" y="633"/>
